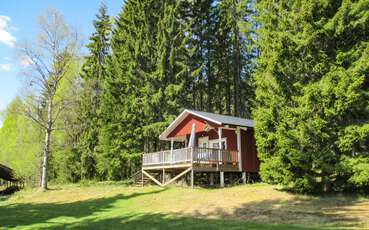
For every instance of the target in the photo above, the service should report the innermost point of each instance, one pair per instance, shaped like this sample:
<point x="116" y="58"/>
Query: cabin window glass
<point x="215" y="143"/>
<point x="204" y="142"/>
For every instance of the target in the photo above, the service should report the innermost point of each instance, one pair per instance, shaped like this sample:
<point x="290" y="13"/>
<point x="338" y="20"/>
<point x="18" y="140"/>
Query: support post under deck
<point x="142" y="178"/>
<point x="192" y="178"/>
<point x="211" y="178"/>
<point x="222" y="179"/>
<point x="163" y="179"/>
<point x="244" y="177"/>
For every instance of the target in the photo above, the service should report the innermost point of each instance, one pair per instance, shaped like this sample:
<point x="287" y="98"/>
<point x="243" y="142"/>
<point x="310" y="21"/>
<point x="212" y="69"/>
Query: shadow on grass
<point x="27" y="214"/>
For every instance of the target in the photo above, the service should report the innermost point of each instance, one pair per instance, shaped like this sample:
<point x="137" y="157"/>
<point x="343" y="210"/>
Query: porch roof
<point x="211" y="117"/>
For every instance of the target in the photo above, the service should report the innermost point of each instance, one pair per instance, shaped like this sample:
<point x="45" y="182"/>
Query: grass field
<point x="111" y="206"/>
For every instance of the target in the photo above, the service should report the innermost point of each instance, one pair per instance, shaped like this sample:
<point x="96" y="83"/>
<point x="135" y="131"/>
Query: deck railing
<point x="189" y="155"/>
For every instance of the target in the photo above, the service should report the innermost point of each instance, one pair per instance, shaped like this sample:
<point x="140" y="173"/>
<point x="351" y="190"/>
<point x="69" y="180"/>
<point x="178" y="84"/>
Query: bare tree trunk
<point x="45" y="161"/>
<point x="47" y="146"/>
<point x="50" y="59"/>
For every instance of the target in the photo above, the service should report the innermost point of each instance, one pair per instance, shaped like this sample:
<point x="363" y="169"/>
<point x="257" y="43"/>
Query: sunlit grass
<point x="111" y="206"/>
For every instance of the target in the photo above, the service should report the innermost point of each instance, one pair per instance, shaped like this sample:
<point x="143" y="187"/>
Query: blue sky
<point x="18" y="23"/>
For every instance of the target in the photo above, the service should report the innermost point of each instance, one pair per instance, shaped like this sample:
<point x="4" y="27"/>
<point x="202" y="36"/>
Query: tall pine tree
<point x="124" y="104"/>
<point x="169" y="83"/>
<point x="235" y="56"/>
<point x="312" y="90"/>
<point x="93" y="74"/>
<point x="204" y="17"/>
<point x="147" y="84"/>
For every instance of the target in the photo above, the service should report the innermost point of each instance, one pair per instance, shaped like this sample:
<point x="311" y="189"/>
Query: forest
<point x="299" y="68"/>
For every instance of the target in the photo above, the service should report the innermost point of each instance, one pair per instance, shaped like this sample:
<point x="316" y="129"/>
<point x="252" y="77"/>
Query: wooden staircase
<point x="140" y="180"/>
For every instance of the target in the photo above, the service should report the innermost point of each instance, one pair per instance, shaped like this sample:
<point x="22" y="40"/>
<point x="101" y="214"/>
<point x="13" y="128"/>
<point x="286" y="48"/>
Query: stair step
<point x="138" y="180"/>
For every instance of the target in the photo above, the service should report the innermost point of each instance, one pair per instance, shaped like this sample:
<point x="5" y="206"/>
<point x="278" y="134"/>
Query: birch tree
<point x="49" y="59"/>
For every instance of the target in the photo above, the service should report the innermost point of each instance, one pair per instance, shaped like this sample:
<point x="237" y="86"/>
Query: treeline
<point x="299" y="68"/>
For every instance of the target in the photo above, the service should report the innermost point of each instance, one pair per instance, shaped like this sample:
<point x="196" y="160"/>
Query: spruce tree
<point x="124" y="103"/>
<point x="147" y="84"/>
<point x="235" y="55"/>
<point x="93" y="74"/>
<point x="169" y="83"/>
<point x="204" y="17"/>
<point x="312" y="90"/>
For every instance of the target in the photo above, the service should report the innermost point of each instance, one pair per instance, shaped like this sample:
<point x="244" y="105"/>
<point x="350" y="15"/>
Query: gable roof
<point x="212" y="117"/>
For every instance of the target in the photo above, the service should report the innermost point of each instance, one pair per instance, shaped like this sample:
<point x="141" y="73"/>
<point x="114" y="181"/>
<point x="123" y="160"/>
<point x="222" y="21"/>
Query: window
<point x="204" y="142"/>
<point x="215" y="143"/>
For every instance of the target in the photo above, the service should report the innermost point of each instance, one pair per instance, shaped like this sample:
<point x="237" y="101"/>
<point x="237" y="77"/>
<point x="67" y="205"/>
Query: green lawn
<point x="105" y="206"/>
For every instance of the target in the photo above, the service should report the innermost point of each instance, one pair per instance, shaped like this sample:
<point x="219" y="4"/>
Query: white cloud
<point x="5" y="36"/>
<point x="5" y="66"/>
<point x="25" y="61"/>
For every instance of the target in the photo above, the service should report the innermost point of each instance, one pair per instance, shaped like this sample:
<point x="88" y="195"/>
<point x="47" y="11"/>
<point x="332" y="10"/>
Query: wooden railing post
<point x="220" y="146"/>
<point x="191" y="155"/>
<point x="171" y="150"/>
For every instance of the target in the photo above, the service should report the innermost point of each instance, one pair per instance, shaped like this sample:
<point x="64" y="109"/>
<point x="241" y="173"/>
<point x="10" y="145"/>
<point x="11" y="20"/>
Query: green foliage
<point x="65" y="160"/>
<point x="21" y="140"/>
<point x="122" y="102"/>
<point x="93" y="73"/>
<point x="234" y="57"/>
<point x="312" y="90"/>
<point x="146" y="83"/>
<point x="357" y="169"/>
<point x="21" y="143"/>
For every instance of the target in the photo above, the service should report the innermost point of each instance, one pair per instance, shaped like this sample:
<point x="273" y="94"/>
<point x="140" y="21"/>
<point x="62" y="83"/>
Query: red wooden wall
<point x="250" y="161"/>
<point x="185" y="127"/>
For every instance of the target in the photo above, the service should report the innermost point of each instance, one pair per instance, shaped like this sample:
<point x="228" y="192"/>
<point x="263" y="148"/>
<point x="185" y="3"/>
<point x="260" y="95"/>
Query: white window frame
<point x="216" y="141"/>
<point x="203" y="140"/>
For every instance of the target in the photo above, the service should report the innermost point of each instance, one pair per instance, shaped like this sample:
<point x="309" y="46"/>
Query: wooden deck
<point x="200" y="159"/>
<point x="178" y="162"/>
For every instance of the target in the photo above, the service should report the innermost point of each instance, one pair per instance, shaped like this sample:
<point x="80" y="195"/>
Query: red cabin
<point x="214" y="145"/>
